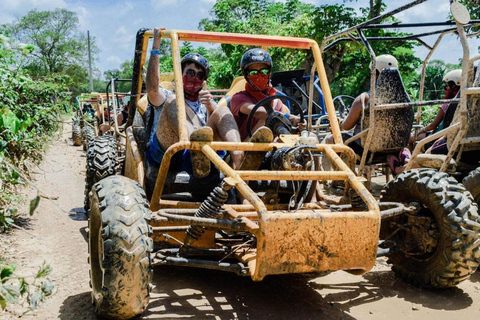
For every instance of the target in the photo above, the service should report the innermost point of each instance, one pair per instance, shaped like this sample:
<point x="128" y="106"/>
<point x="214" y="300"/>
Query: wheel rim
<point x="417" y="245"/>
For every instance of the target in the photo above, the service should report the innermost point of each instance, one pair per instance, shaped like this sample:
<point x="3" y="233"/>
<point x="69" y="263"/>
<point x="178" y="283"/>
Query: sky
<point x="114" y="23"/>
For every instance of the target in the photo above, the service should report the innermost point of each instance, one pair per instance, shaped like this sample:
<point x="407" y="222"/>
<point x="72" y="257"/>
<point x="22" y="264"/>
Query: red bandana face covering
<point x="191" y="87"/>
<point x="259" y="81"/>
<point x="450" y="93"/>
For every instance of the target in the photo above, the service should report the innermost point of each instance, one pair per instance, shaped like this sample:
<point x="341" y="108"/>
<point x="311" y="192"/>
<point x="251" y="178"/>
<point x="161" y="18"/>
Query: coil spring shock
<point x="210" y="208"/>
<point x="356" y="201"/>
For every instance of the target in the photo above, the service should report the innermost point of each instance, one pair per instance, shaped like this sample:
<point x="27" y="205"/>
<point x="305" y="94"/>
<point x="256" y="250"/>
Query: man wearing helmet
<point x="445" y="112"/>
<point x="201" y="110"/>
<point x="256" y="66"/>
<point x="354" y="117"/>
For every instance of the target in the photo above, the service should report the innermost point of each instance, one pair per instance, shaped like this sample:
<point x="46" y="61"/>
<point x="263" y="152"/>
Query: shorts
<point x="181" y="161"/>
<point x="469" y="157"/>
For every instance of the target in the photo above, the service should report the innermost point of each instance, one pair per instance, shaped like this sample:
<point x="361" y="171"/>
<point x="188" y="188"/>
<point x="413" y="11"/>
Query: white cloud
<point x="11" y="9"/>
<point x="114" y="59"/>
<point x="158" y="5"/>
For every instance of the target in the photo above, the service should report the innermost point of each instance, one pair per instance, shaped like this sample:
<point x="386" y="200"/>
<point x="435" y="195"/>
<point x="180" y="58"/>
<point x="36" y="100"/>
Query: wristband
<point x="154" y="52"/>
<point x="287" y="115"/>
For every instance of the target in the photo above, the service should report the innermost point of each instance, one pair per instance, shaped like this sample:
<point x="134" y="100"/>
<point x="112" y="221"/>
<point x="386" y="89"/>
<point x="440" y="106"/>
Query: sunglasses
<point x="199" y="74"/>
<point x="263" y="71"/>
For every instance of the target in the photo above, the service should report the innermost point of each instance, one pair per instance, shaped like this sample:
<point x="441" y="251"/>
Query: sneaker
<point x="200" y="162"/>
<point x="393" y="163"/>
<point x="405" y="156"/>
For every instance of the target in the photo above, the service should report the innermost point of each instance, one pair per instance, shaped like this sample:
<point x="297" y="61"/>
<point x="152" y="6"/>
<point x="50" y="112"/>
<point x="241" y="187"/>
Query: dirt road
<point x="57" y="235"/>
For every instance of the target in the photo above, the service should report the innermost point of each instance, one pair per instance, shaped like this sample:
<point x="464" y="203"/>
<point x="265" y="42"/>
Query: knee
<point x="221" y="112"/>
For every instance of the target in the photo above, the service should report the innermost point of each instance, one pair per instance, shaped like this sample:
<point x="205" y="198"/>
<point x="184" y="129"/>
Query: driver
<point x="256" y="66"/>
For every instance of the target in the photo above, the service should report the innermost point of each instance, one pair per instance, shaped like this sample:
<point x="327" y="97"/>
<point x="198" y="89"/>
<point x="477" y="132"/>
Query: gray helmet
<point x="198" y="59"/>
<point x="255" y="55"/>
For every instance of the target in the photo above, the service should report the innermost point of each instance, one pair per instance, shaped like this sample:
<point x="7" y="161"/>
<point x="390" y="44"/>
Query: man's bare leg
<point x="225" y="129"/>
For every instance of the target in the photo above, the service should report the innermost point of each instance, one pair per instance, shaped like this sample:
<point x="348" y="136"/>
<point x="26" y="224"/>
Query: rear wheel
<point x="438" y="246"/>
<point x="76" y="135"/>
<point x="472" y="184"/>
<point x="119" y="247"/>
<point x="101" y="162"/>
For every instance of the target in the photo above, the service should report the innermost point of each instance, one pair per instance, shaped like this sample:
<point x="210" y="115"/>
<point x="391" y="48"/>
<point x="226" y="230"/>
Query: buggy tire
<point x="101" y="162"/>
<point x="119" y="248"/>
<point x="76" y="135"/>
<point x="451" y="234"/>
<point x="88" y="134"/>
<point x="472" y="184"/>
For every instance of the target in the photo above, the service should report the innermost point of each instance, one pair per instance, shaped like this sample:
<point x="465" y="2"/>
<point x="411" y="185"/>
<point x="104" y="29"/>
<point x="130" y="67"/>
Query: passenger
<point x="452" y="86"/>
<point x="256" y="66"/>
<point x="88" y="109"/>
<point x="354" y="117"/>
<point x="201" y="110"/>
<point x="445" y="113"/>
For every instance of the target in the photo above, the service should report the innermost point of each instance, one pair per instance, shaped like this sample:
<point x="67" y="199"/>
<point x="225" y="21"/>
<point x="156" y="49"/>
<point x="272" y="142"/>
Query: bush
<point x="30" y="111"/>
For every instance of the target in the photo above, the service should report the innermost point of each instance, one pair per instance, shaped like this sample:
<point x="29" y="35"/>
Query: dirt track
<point x="58" y="231"/>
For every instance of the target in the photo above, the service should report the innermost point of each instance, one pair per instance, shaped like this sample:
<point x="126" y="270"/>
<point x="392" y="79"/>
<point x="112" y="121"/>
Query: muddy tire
<point x="119" y="248"/>
<point x="472" y="184"/>
<point x="101" y="163"/>
<point x="76" y="135"/>
<point x="439" y="245"/>
<point x="88" y="134"/>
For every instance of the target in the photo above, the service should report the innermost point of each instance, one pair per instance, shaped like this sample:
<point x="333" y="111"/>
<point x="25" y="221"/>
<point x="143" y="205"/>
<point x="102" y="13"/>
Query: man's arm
<point x="355" y="113"/>
<point x="155" y="95"/>
<point x="434" y="124"/>
<point x="261" y="113"/>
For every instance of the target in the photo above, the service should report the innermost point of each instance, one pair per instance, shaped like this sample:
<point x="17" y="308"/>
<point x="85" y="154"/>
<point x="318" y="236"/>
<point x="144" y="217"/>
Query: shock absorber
<point x="210" y="208"/>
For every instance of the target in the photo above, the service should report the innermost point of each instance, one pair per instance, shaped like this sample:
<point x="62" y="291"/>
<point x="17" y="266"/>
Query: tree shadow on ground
<point x="19" y="221"/>
<point x="180" y="292"/>
<point x="376" y="285"/>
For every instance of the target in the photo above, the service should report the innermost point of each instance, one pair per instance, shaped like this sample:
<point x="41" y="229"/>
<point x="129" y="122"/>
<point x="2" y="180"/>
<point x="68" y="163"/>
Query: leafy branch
<point x="30" y="290"/>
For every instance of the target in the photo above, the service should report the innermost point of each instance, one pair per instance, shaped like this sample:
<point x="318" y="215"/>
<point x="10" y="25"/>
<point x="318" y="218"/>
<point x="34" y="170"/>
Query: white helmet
<point x="454" y="75"/>
<point x="385" y="61"/>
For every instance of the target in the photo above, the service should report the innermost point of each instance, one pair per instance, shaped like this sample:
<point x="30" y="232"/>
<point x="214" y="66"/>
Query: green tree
<point x="56" y="38"/>
<point x="125" y="72"/>
<point x="346" y="64"/>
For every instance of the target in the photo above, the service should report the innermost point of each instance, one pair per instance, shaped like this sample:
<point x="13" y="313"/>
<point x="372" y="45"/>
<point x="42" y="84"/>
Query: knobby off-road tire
<point x="101" y="162"/>
<point x="76" y="135"/>
<point x="120" y="248"/>
<point x="472" y="184"/>
<point x="453" y="230"/>
<point x="88" y="134"/>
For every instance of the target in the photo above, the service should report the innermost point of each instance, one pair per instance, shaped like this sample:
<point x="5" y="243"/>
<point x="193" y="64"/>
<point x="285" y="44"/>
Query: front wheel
<point x="119" y="247"/>
<point x="438" y="246"/>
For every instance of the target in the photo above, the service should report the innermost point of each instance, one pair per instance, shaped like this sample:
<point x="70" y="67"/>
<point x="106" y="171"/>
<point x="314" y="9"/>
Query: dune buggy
<point x="192" y="222"/>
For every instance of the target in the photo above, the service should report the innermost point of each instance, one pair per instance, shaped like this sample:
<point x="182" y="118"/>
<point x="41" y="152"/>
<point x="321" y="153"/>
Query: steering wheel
<point x="343" y="108"/>
<point x="276" y="121"/>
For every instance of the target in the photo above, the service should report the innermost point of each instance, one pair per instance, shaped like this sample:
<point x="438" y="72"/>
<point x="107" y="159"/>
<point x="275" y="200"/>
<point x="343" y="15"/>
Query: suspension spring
<point x="356" y="201"/>
<point x="210" y="208"/>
